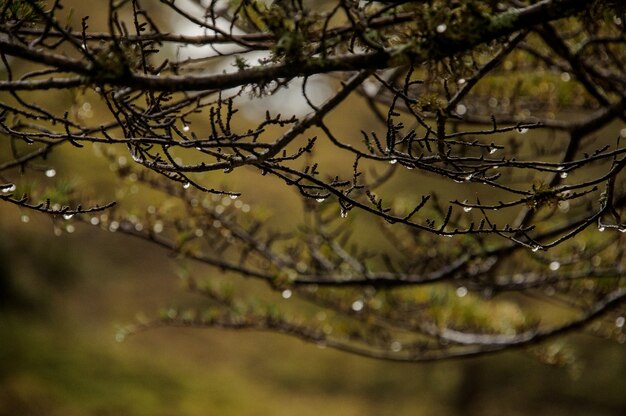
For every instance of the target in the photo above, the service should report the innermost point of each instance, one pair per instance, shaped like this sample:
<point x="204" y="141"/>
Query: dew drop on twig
<point x="357" y="305"/>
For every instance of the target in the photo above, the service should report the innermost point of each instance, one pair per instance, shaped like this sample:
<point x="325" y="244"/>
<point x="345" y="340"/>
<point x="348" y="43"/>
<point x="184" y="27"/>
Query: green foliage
<point x="20" y="11"/>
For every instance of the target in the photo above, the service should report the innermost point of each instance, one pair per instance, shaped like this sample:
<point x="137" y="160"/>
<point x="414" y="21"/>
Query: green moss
<point x="18" y="10"/>
<point x="502" y="21"/>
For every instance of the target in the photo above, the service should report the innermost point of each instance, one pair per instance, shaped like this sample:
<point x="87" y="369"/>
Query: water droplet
<point x="286" y="294"/>
<point x="620" y="321"/>
<point x="442" y="28"/>
<point x="344" y="213"/>
<point x="25" y="218"/>
<point x="461" y="291"/>
<point x="68" y="216"/>
<point x="186" y="185"/>
<point x="466" y="209"/>
<point x="357" y="305"/>
<point x="70" y="228"/>
<point x="393" y="161"/>
<point x="9" y="188"/>
<point x="523" y="130"/>
<point x="228" y="169"/>
<point x="469" y="177"/>
<point x="461" y="81"/>
<point x="565" y="76"/>
<point x="396" y="346"/>
<point x="492" y="150"/>
<point x="535" y="248"/>
<point x="563" y="175"/>
<point x="185" y="128"/>
<point x="51" y="173"/>
<point x="622" y="229"/>
<point x="157" y="227"/>
<point x="461" y="109"/>
<point x="555" y="265"/>
<point x="234" y="196"/>
<point x="320" y="200"/>
<point x="114" y="226"/>
<point x="601" y="228"/>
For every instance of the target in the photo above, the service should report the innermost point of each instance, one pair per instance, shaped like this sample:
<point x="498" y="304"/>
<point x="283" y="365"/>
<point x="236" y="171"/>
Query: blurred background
<point x="63" y="297"/>
<point x="64" y="293"/>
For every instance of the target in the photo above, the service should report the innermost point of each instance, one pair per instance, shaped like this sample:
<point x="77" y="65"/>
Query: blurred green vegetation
<point x="63" y="297"/>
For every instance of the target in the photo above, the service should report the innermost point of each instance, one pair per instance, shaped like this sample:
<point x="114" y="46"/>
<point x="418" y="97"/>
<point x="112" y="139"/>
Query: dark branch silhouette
<point x="488" y="169"/>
